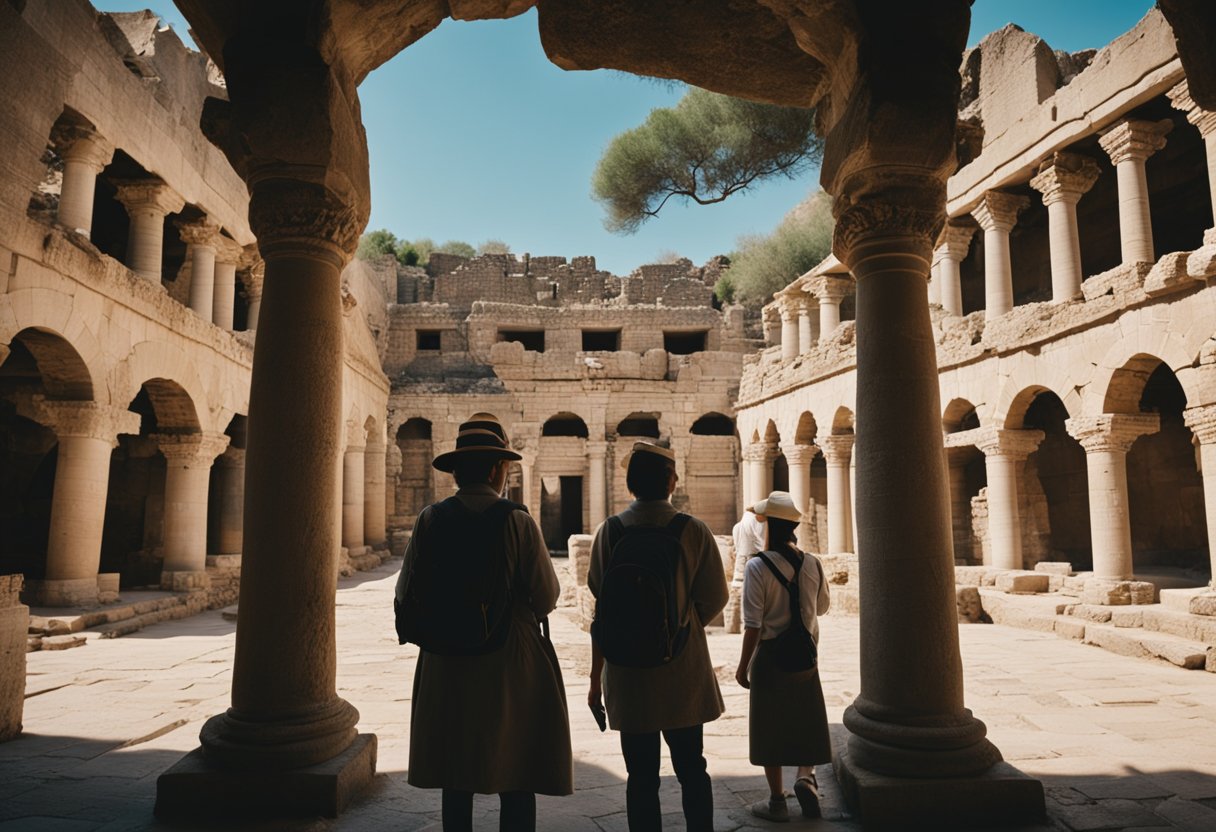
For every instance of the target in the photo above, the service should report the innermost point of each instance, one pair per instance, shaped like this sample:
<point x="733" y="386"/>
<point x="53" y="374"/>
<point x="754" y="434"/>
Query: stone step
<point x="1179" y="600"/>
<point x="138" y="622"/>
<point x="1200" y="628"/>
<point x="1030" y="612"/>
<point x="1183" y="652"/>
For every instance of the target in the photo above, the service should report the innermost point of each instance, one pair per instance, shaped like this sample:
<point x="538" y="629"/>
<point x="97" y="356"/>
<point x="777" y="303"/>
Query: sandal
<point x="807" y="792"/>
<point x="772" y="809"/>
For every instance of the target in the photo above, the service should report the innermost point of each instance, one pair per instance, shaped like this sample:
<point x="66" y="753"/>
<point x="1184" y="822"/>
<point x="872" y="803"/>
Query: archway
<point x="710" y="472"/>
<point x="644" y="425"/>
<point x="968" y="484"/>
<point x="414" y="484"/>
<point x="562" y="467"/>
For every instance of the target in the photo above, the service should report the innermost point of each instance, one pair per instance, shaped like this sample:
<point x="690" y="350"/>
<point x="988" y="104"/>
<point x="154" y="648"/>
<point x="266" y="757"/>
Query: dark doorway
<point x="572" y="507"/>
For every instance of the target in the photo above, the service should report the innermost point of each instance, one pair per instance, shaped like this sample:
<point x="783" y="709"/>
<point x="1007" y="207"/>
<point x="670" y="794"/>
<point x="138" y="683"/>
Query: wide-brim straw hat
<point x="779" y="504"/>
<point x="648" y="448"/>
<point x="474" y="441"/>
<point x="486" y="421"/>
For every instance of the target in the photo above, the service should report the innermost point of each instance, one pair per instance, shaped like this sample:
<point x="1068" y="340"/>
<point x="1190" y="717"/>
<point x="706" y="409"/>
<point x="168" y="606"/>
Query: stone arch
<point x="375" y="435"/>
<point x="1015" y="413"/>
<point x="713" y="424"/>
<point x="960" y="415"/>
<point x="565" y="424"/>
<point x="1126" y="385"/>
<point x="771" y="434"/>
<point x="415" y="427"/>
<point x="53" y="312"/>
<point x="62" y="371"/>
<point x="1054" y="492"/>
<point x="639" y="424"/>
<point x="1120" y="374"/>
<point x="710" y="478"/>
<point x="415" y="477"/>
<point x="162" y="362"/>
<point x="842" y="420"/>
<point x="806" y="429"/>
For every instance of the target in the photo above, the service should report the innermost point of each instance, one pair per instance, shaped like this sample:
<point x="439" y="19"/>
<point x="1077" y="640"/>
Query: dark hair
<point x="647" y="476"/>
<point x="781" y="532"/>
<point x="474" y="469"/>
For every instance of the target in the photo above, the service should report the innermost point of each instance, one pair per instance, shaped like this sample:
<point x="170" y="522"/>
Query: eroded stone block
<point x="1054" y="567"/>
<point x="1117" y="593"/>
<point x="1022" y="583"/>
<point x="970" y="605"/>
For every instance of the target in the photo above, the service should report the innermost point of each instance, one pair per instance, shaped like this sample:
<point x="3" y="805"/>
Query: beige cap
<point x="779" y="504"/>
<point x="648" y="448"/>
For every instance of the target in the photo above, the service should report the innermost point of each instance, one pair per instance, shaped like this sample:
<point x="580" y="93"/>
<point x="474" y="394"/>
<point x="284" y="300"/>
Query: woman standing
<point x="788" y="723"/>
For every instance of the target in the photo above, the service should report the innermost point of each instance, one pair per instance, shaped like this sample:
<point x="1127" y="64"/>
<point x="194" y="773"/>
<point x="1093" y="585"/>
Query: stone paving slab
<point x="1119" y="742"/>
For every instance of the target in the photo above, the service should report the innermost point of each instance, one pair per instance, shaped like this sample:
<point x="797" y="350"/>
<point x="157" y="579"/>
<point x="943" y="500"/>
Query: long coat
<point x="685" y="691"/>
<point x="494" y="723"/>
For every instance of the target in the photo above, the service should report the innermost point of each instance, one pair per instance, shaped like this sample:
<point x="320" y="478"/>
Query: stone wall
<point x="14" y="622"/>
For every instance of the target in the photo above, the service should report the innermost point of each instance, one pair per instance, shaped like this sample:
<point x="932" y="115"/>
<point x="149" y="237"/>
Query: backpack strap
<point x="677" y="524"/>
<point x="772" y="567"/>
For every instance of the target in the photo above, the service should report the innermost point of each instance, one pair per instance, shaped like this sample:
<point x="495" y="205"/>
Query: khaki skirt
<point x="787" y="719"/>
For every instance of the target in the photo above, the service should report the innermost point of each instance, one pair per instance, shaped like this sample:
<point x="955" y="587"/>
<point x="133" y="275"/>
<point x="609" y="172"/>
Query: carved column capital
<point x="763" y="452"/>
<point x="954" y="241"/>
<point x="1202" y="422"/>
<point x="1011" y="444"/>
<point x="1205" y="120"/>
<point x="191" y="450"/>
<point x="908" y="207"/>
<point x="292" y="218"/>
<point x="831" y="289"/>
<point x="86" y="419"/>
<point x="150" y="195"/>
<point x="837" y="448"/>
<point x="1065" y="177"/>
<point x="83" y="145"/>
<point x="799" y="454"/>
<point x="1134" y="139"/>
<point x="998" y="211"/>
<point x="789" y="309"/>
<point x="203" y="233"/>
<point x="1111" y="431"/>
<point x="356" y="435"/>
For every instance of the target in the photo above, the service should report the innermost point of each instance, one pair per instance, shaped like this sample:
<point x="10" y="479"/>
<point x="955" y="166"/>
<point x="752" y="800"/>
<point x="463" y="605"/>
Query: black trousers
<point x="642" y="787"/>
<point x="517" y="811"/>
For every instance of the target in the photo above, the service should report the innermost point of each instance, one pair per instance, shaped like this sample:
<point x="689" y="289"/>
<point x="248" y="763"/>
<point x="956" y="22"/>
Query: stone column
<point x="203" y="238"/>
<point x="838" y="453"/>
<point x="230" y="490"/>
<point x="85" y="155"/>
<point x="148" y="202"/>
<point x="597" y="482"/>
<point x="935" y="280"/>
<point x="1202" y="422"/>
<point x="253" y="292"/>
<point x="806" y="327"/>
<point x="227" y="258"/>
<point x="353" y="470"/>
<point x="1107" y="439"/>
<point x="997" y="213"/>
<point x="830" y="291"/>
<point x="1004" y="452"/>
<point x="1129" y="144"/>
<point x="1062" y="180"/>
<point x="953" y="244"/>
<point x="188" y="458"/>
<point x="1205" y="120"/>
<point x="87" y="433"/>
<point x="799" y="457"/>
<point x="789" y="330"/>
<point x="761" y="456"/>
<point x="909" y="719"/>
<point x="375" y="527"/>
<point x="527" y="477"/>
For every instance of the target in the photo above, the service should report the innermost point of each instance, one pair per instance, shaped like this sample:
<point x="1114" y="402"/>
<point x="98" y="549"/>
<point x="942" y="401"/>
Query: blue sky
<point x="474" y="135"/>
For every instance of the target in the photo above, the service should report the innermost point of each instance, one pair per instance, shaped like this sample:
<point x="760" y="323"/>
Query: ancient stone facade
<point x="1073" y="323"/>
<point x="577" y="363"/>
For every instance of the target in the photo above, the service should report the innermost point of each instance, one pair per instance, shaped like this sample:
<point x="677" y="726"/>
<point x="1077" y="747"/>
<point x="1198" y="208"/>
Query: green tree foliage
<point x="418" y="252"/>
<point x="704" y="149"/>
<point x="457" y="247"/>
<point x="765" y="263"/>
<point x="377" y="243"/>
<point x="493" y="247"/>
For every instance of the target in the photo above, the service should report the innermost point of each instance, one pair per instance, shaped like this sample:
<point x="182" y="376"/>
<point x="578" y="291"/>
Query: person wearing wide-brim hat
<point x="494" y="723"/>
<point x="787" y="722"/>
<point x="675" y="699"/>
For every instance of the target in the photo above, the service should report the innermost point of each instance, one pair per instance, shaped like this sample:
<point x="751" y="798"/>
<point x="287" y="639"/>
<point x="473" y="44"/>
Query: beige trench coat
<point x="494" y="723"/>
<point x="684" y="692"/>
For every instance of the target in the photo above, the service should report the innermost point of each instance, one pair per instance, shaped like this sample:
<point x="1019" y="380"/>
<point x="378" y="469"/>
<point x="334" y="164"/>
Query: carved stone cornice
<point x="203" y="233"/>
<point x="1011" y="444"/>
<point x="799" y="454"/>
<point x="1134" y="139"/>
<point x="838" y="448"/>
<point x="292" y="218"/>
<point x="831" y="289"/>
<point x="150" y="195"/>
<point x="83" y="145"/>
<point x="1111" y="431"/>
<point x="998" y="211"/>
<point x="1205" y="120"/>
<point x="907" y="215"/>
<point x="91" y="420"/>
<point x="1065" y="177"/>
<point x="1202" y="422"/>
<point x="954" y="241"/>
<point x="191" y="450"/>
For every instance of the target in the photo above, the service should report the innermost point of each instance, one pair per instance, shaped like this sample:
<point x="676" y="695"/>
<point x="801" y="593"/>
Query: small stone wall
<point x="14" y="622"/>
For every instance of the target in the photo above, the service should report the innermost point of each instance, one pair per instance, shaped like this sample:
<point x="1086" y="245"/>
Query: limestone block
<point x="185" y="581"/>
<point x="1022" y="583"/>
<point x="1124" y="279"/>
<point x="399" y="539"/>
<point x="1193" y="627"/>
<point x="838" y="568"/>
<point x="14" y="624"/>
<point x="1054" y="567"/>
<point x="1118" y="593"/>
<point x="970" y="606"/>
<point x="1202" y="262"/>
<point x="1203" y="604"/>
<point x="107" y="588"/>
<point x="1066" y="628"/>
<point x="970" y="575"/>
<point x="1096" y="614"/>
<point x="1127" y="617"/>
<point x="1209" y="663"/>
<point x="1169" y="274"/>
<point x="845" y="600"/>
<point x="579" y="548"/>
<point x="63" y="642"/>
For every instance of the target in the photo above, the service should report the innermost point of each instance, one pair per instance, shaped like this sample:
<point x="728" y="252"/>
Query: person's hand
<point x="595" y="696"/>
<point x="741" y="678"/>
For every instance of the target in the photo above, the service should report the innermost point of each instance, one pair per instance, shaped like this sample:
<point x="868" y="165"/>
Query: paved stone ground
<point x="1120" y="743"/>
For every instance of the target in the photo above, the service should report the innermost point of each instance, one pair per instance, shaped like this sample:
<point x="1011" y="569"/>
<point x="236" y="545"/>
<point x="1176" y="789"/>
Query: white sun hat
<point x="779" y="504"/>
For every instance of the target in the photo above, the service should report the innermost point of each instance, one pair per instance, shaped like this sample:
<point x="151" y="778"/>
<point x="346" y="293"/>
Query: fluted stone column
<point x="799" y="457"/>
<point x="1202" y="422"/>
<point x="87" y="433"/>
<point x="527" y="476"/>
<point x="1004" y="452"/>
<point x="203" y="238"/>
<point x="1107" y="439"/>
<point x="934" y="295"/>
<point x="148" y="202"/>
<point x="1129" y="144"/>
<point x="1205" y="120"/>
<point x="747" y="477"/>
<point x="997" y="213"/>
<point x="838" y="453"/>
<point x="375" y="527"/>
<point x="230" y="491"/>
<point x="789" y="330"/>
<point x="597" y="482"/>
<point x="353" y="470"/>
<point x="806" y="327"/>
<point x="188" y="459"/>
<point x="830" y="291"/>
<point x="227" y="257"/>
<point x="953" y="244"/>
<point x="1062" y="180"/>
<point x="85" y="154"/>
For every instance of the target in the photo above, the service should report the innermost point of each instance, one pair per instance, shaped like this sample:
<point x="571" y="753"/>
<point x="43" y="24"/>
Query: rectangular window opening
<point x="428" y="340"/>
<point x="532" y="339"/>
<point x="684" y="343"/>
<point x="601" y="340"/>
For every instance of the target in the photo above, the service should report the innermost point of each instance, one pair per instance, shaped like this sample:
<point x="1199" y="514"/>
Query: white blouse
<point x="766" y="603"/>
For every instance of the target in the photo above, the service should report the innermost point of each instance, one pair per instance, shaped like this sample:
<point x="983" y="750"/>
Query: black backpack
<point x="636" y="621"/>
<point x="458" y="599"/>
<point x="794" y="649"/>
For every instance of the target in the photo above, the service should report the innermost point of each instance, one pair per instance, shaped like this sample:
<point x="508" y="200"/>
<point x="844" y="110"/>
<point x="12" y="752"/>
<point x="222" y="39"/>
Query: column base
<point x="1115" y="592"/>
<point x="75" y="592"/>
<point x="1002" y="795"/>
<point x="185" y="581"/>
<point x="197" y="788"/>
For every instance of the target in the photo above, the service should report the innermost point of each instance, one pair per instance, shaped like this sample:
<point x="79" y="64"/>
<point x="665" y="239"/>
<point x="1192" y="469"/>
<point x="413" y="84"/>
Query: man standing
<point x="748" y="534"/>
<point x="657" y="578"/>
<point x="489" y="708"/>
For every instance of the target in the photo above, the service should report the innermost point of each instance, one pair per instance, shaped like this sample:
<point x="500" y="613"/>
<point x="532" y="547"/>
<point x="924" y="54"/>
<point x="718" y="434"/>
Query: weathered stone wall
<point x="14" y="622"/>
